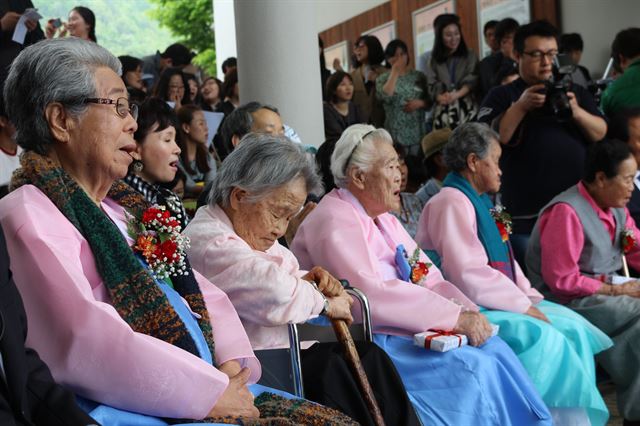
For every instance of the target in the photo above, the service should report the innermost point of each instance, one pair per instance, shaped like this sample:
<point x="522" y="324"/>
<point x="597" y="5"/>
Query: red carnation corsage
<point x="628" y="240"/>
<point x="419" y="269"/>
<point x="158" y="240"/>
<point x="503" y="221"/>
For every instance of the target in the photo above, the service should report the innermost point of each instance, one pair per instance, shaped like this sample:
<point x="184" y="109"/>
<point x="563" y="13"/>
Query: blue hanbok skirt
<point x="110" y="416"/>
<point x="468" y="385"/>
<point x="559" y="357"/>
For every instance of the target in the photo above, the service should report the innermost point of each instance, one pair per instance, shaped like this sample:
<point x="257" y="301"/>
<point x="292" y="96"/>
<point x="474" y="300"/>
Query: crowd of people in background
<point x="459" y="194"/>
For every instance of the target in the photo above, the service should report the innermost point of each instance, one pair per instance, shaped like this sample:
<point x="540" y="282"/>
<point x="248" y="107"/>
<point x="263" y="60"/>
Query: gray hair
<point x="467" y="139"/>
<point x="56" y="70"/>
<point x="356" y="148"/>
<point x="260" y="165"/>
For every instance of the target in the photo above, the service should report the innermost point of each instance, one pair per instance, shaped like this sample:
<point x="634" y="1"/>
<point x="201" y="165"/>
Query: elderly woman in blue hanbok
<point x="352" y="235"/>
<point x="471" y="238"/>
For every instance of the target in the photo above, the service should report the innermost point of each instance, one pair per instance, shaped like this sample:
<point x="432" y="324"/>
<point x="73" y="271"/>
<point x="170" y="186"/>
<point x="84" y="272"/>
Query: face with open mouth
<point x="382" y="181"/>
<point x="160" y="155"/>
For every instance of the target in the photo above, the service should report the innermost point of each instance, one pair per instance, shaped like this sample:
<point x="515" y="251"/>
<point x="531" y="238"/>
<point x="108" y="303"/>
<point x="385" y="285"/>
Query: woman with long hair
<point x="211" y="94"/>
<point x="195" y="160"/>
<point x="451" y="75"/>
<point x="339" y="110"/>
<point x="173" y="87"/>
<point x="369" y="54"/>
<point x="403" y="93"/>
<point x="230" y="92"/>
<point x="81" y="23"/>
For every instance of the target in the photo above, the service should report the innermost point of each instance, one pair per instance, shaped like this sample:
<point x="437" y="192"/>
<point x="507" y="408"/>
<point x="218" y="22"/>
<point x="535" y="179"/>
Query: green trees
<point x="191" y="22"/>
<point x="140" y="27"/>
<point x="124" y="27"/>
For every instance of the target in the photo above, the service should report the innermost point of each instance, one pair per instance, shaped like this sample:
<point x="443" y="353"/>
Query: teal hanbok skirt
<point x="559" y="357"/>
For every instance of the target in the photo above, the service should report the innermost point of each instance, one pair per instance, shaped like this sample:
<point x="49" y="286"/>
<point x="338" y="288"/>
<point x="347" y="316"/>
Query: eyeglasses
<point x="346" y="164"/>
<point x="123" y="107"/>
<point x="537" y="55"/>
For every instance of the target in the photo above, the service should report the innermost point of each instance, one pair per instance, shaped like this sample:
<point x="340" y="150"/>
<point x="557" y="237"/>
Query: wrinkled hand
<point x="236" y="400"/>
<point x="536" y="313"/>
<point x="413" y="104"/>
<point x="230" y="368"/>
<point x="531" y="99"/>
<point x="295" y="222"/>
<point x="631" y="288"/>
<point x="340" y="308"/>
<point x="327" y="284"/>
<point x="9" y="20"/>
<point x="475" y="326"/>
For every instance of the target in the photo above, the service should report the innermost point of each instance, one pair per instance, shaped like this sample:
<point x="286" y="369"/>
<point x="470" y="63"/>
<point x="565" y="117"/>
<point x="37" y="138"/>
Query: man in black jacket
<point x="28" y="393"/>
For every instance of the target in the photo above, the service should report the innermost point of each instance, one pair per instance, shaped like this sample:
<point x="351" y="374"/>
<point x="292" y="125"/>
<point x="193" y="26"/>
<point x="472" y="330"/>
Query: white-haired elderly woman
<point x="260" y="187"/>
<point x="111" y="327"/>
<point x="352" y="234"/>
<point x="471" y="238"/>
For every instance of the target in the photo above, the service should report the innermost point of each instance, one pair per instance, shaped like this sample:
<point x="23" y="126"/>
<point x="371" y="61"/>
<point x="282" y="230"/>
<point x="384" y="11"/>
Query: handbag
<point x="460" y="111"/>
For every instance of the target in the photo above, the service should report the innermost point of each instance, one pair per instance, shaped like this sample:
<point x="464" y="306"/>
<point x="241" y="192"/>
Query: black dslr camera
<point x="557" y="100"/>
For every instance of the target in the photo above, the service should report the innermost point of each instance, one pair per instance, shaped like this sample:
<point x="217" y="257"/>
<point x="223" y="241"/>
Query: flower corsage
<point x="628" y="240"/>
<point x="503" y="221"/>
<point x="158" y="240"/>
<point x="411" y="268"/>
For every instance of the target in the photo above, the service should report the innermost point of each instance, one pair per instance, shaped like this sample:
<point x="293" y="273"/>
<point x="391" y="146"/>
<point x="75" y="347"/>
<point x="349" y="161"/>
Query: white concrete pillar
<point x="224" y="28"/>
<point x="278" y="61"/>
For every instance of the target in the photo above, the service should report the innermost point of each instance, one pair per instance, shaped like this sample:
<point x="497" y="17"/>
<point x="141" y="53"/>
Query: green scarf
<point x="134" y="294"/>
<point x="136" y="297"/>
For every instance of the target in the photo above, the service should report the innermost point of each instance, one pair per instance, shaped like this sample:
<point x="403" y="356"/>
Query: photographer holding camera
<point x="545" y="125"/>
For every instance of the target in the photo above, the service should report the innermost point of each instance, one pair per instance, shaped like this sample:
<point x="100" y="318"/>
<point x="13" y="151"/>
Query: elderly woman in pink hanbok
<point x="352" y="235"/>
<point x="260" y="187"/>
<point x="461" y="227"/>
<point x="137" y="338"/>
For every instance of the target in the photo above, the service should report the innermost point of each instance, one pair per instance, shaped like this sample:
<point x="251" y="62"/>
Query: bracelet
<point x="325" y="308"/>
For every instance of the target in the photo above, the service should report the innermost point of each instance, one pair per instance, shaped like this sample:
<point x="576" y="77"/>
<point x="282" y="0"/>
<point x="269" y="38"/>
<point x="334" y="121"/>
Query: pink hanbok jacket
<point x="80" y="335"/>
<point x="266" y="288"/>
<point x="448" y="225"/>
<point x="339" y="236"/>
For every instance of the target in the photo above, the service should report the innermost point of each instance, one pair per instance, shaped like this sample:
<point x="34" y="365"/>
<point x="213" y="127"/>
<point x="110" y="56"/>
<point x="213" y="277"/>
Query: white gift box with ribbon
<point x="443" y="341"/>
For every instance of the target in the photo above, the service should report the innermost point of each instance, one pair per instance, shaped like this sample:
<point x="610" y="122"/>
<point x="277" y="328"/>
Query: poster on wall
<point x="338" y="51"/>
<point x="497" y="10"/>
<point x="423" y="32"/>
<point x="385" y="33"/>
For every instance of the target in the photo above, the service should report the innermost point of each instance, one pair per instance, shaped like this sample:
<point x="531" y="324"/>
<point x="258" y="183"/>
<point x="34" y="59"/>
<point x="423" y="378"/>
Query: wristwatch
<point x="325" y="308"/>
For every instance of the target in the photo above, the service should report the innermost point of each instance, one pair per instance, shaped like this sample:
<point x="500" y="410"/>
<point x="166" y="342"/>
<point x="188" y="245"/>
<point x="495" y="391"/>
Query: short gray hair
<point x="467" y="139"/>
<point x="355" y="148"/>
<point x="260" y="165"/>
<point x="56" y="70"/>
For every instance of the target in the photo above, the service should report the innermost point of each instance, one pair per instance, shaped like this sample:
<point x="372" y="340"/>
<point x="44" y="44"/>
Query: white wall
<point x="224" y="27"/>
<point x="332" y="12"/>
<point x="598" y="21"/>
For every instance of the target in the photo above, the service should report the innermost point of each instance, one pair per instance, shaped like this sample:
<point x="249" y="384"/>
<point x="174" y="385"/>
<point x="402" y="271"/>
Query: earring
<point x="137" y="166"/>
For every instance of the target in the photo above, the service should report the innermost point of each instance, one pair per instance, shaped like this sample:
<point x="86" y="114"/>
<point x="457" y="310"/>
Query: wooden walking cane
<point x="353" y="359"/>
